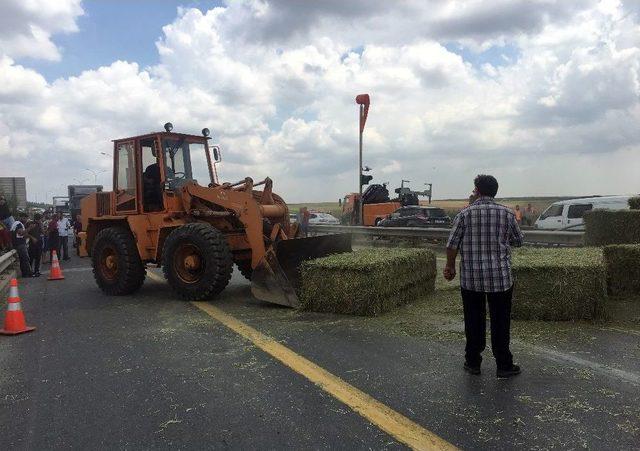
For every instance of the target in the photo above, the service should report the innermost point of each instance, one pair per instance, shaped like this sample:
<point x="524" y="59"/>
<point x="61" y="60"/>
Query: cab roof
<point x="165" y="135"/>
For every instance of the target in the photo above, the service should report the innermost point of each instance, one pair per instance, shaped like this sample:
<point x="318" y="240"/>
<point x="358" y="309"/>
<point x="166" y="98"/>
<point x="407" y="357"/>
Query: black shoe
<point x="511" y="371"/>
<point x="475" y="370"/>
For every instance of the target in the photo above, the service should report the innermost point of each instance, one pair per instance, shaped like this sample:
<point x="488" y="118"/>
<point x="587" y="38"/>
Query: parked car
<point x="568" y="214"/>
<point x="316" y="217"/>
<point x="417" y="216"/>
<point x="293" y="217"/>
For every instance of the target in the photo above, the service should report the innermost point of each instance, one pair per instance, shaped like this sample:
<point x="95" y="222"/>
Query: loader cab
<point x="149" y="169"/>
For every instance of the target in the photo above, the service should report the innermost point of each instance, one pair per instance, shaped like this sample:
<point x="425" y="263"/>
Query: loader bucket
<point x="277" y="276"/>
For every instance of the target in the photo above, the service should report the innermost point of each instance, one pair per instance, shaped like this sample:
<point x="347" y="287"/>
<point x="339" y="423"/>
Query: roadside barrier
<point x="8" y="270"/>
<point x="56" y="272"/>
<point x="14" y="322"/>
<point x="531" y="237"/>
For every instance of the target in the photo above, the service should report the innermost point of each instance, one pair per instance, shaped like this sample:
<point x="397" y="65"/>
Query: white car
<point x="322" y="218"/>
<point x="567" y="214"/>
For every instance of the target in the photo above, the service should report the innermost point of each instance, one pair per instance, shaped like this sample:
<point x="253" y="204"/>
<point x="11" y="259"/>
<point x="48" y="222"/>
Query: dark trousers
<point x="474" y="303"/>
<point x="63" y="247"/>
<point x="35" y="254"/>
<point x="23" y="256"/>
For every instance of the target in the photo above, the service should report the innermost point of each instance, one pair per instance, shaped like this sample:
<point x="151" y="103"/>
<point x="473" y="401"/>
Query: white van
<point x="567" y="214"/>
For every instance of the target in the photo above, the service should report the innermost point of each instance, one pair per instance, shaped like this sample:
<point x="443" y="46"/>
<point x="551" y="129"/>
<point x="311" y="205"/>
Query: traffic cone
<point x="14" y="323"/>
<point x="56" y="272"/>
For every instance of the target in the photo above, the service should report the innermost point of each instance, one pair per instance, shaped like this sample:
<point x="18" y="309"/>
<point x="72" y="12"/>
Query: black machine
<point x="417" y="216"/>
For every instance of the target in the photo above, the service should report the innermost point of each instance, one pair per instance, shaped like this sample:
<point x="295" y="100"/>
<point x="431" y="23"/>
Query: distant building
<point x="15" y="190"/>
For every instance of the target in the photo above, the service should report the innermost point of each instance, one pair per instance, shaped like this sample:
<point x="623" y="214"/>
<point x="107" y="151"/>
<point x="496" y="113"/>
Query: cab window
<point x="151" y="179"/>
<point x="185" y="161"/>
<point x="552" y="211"/>
<point x="577" y="211"/>
<point x="126" y="173"/>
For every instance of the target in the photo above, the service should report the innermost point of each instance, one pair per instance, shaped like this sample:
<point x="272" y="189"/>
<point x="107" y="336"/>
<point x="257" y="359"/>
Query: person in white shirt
<point x="63" y="232"/>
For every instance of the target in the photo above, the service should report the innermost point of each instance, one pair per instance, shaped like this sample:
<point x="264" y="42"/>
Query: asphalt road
<point x="150" y="371"/>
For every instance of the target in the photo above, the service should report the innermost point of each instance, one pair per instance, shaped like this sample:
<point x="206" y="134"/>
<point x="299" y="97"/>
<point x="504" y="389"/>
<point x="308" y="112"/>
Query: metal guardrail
<point x="535" y="237"/>
<point x="8" y="270"/>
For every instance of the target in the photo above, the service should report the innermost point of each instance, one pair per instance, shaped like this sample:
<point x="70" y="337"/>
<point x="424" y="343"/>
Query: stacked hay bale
<point x="368" y="281"/>
<point x="623" y="268"/>
<point x="605" y="227"/>
<point x="559" y="284"/>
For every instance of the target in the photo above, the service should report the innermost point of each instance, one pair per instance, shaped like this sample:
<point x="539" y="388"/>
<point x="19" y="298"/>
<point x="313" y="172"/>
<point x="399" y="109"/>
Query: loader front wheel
<point x="197" y="261"/>
<point x="117" y="267"/>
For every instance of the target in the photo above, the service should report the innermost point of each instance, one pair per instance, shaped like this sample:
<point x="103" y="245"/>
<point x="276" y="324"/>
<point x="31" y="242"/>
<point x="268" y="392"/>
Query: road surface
<point x="150" y="371"/>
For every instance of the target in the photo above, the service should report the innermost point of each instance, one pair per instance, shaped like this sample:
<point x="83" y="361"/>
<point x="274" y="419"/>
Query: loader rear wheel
<point x="244" y="266"/>
<point x="117" y="267"/>
<point x="197" y="261"/>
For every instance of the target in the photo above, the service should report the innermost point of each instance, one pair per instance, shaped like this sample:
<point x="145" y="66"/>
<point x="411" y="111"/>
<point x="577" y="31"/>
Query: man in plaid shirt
<point x="483" y="234"/>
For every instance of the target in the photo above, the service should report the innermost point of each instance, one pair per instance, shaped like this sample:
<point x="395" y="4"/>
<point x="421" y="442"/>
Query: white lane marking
<point x="605" y="370"/>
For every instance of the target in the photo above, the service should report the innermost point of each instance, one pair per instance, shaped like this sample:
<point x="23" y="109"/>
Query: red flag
<point x="363" y="99"/>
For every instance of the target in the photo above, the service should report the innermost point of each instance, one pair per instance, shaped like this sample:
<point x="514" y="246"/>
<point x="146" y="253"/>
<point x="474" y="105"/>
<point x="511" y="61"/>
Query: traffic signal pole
<point x="364" y="101"/>
<point x="360" y="204"/>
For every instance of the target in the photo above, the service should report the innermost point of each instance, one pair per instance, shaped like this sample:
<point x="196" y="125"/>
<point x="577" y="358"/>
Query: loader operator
<point x="152" y="188"/>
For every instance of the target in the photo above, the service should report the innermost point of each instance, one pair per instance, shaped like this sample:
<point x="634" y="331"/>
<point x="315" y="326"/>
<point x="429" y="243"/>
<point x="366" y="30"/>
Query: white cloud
<point x="26" y="26"/>
<point x="276" y="81"/>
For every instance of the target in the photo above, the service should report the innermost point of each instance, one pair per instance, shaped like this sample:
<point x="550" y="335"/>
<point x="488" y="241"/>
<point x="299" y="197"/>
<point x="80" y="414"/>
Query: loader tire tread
<point x="219" y="261"/>
<point x="131" y="271"/>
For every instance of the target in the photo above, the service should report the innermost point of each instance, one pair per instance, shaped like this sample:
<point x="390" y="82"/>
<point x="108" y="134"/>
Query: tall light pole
<point x="364" y="101"/>
<point x="95" y="174"/>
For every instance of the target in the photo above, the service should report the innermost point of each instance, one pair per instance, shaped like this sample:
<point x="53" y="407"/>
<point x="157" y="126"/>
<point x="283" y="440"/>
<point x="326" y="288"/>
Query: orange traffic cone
<point x="14" y="323"/>
<point x="56" y="272"/>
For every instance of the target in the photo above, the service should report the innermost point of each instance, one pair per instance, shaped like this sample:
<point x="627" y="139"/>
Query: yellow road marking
<point x="393" y="423"/>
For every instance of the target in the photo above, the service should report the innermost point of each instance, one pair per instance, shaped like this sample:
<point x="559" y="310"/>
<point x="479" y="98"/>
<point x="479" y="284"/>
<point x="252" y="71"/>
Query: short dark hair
<point x="22" y="214"/>
<point x="37" y="216"/>
<point x="486" y="185"/>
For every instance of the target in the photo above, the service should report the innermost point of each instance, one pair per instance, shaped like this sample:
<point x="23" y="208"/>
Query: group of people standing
<point x="35" y="238"/>
<point x="527" y="216"/>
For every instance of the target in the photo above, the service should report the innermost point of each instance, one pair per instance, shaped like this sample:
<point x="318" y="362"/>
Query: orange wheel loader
<point x="167" y="208"/>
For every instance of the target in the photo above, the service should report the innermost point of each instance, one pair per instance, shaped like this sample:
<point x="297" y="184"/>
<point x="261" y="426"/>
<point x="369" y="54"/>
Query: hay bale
<point x="623" y="268"/>
<point x="559" y="284"/>
<point x="605" y="227"/>
<point x="366" y="282"/>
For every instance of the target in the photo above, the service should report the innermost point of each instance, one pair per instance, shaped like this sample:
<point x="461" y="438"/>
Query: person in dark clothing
<point x="54" y="240"/>
<point x="5" y="238"/>
<point x="5" y="213"/>
<point x="483" y="233"/>
<point x="19" y="237"/>
<point x="152" y="188"/>
<point x="77" y="228"/>
<point x="304" y="221"/>
<point x="34" y="228"/>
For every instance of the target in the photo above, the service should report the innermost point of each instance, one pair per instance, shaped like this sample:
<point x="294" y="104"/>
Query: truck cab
<point x="568" y="214"/>
<point x="148" y="169"/>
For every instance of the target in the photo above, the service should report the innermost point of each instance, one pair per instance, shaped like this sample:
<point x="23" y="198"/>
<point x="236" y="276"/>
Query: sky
<point x="543" y="94"/>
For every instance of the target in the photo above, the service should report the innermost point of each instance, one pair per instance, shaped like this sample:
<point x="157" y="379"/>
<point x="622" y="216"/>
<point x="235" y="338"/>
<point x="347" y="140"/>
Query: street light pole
<point x="95" y="174"/>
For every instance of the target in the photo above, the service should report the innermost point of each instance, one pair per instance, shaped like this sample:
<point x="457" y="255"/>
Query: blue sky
<point x="128" y="31"/>
<point x="110" y="31"/>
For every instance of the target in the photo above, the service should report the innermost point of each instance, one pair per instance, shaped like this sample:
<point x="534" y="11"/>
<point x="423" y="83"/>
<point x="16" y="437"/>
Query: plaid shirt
<point x="484" y="232"/>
